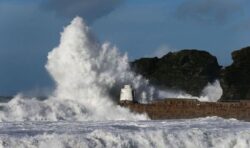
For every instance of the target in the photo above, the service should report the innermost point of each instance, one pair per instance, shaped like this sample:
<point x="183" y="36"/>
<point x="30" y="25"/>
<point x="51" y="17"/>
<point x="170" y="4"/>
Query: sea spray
<point x="212" y="132"/>
<point x="88" y="77"/>
<point x="87" y="71"/>
<point x="212" y="92"/>
<point x="86" y="74"/>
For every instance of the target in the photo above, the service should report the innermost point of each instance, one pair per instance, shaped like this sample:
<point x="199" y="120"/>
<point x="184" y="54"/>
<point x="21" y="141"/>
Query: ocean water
<point x="211" y="132"/>
<point x="81" y="111"/>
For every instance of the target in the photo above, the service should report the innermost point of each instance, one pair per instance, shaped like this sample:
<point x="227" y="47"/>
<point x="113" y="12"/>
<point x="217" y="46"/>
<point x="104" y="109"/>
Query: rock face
<point x="188" y="70"/>
<point x="235" y="79"/>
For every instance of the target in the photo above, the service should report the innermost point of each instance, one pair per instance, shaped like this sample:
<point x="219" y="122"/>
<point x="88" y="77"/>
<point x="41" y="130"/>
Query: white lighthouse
<point x="126" y="94"/>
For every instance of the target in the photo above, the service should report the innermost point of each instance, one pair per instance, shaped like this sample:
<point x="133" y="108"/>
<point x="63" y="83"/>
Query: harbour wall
<point x="190" y="108"/>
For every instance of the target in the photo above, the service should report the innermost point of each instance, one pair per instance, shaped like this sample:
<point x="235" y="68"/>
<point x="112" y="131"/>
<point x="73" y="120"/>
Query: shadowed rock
<point x="188" y="70"/>
<point x="235" y="79"/>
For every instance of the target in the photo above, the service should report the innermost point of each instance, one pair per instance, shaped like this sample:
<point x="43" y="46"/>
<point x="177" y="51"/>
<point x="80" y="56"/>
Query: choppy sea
<point x="210" y="132"/>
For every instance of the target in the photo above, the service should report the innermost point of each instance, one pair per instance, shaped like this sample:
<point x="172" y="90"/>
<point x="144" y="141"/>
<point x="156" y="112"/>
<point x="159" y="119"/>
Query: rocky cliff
<point x="188" y="70"/>
<point x="191" y="70"/>
<point x="235" y="79"/>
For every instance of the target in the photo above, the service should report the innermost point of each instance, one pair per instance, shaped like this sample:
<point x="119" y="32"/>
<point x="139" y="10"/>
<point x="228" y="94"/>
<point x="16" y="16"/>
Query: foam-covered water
<point x="81" y="111"/>
<point x="196" y="133"/>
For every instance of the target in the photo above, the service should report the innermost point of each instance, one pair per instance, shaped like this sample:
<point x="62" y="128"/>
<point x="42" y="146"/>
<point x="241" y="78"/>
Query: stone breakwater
<point x="190" y="108"/>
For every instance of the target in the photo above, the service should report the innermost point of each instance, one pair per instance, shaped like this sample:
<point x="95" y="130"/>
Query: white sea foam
<point x="210" y="132"/>
<point x="212" y="92"/>
<point x="88" y="77"/>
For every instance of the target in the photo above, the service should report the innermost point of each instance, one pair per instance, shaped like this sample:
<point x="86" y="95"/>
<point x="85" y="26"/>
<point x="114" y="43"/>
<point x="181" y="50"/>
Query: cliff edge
<point x="235" y="79"/>
<point x="191" y="70"/>
<point x="188" y="70"/>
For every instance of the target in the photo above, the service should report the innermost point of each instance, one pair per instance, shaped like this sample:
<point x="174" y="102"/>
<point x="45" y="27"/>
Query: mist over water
<point x="88" y="77"/>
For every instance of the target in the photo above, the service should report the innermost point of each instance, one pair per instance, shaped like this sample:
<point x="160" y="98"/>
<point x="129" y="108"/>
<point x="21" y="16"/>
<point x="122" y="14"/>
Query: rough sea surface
<point x="211" y="132"/>
<point x="81" y="111"/>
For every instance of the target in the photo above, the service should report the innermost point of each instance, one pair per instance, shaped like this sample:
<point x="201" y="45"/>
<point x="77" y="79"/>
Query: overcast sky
<point x="29" y="29"/>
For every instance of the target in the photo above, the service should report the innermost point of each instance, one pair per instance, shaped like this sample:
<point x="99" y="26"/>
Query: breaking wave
<point x="88" y="77"/>
<point x="211" y="93"/>
<point x="86" y="74"/>
<point x="210" y="132"/>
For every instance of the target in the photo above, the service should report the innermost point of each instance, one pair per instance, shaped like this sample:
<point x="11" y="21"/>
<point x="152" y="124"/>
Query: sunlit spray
<point x="88" y="77"/>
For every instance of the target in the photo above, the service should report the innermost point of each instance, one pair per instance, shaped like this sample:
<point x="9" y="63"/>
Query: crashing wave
<point x="196" y="133"/>
<point x="88" y="77"/>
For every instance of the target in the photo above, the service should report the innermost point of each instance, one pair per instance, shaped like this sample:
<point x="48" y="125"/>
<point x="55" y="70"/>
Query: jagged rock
<point x="188" y="70"/>
<point x="235" y="79"/>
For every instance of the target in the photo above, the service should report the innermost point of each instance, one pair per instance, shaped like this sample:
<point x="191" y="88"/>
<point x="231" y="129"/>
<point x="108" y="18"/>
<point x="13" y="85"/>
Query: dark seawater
<point x="5" y="99"/>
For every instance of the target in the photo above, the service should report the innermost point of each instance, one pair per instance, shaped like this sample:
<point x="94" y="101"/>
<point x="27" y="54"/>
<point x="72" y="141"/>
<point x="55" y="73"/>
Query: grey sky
<point x="90" y="10"/>
<point x="212" y="11"/>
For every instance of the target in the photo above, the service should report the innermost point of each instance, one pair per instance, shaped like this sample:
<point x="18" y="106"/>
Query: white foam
<point x="212" y="92"/>
<point x="210" y="132"/>
<point x="88" y="77"/>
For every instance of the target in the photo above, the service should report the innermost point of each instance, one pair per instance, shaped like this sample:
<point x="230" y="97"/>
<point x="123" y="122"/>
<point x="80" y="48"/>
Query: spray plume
<point x="88" y="77"/>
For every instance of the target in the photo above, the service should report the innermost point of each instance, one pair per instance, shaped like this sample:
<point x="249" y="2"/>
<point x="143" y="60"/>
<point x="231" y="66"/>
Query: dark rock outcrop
<point x="235" y="79"/>
<point x="188" y="70"/>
